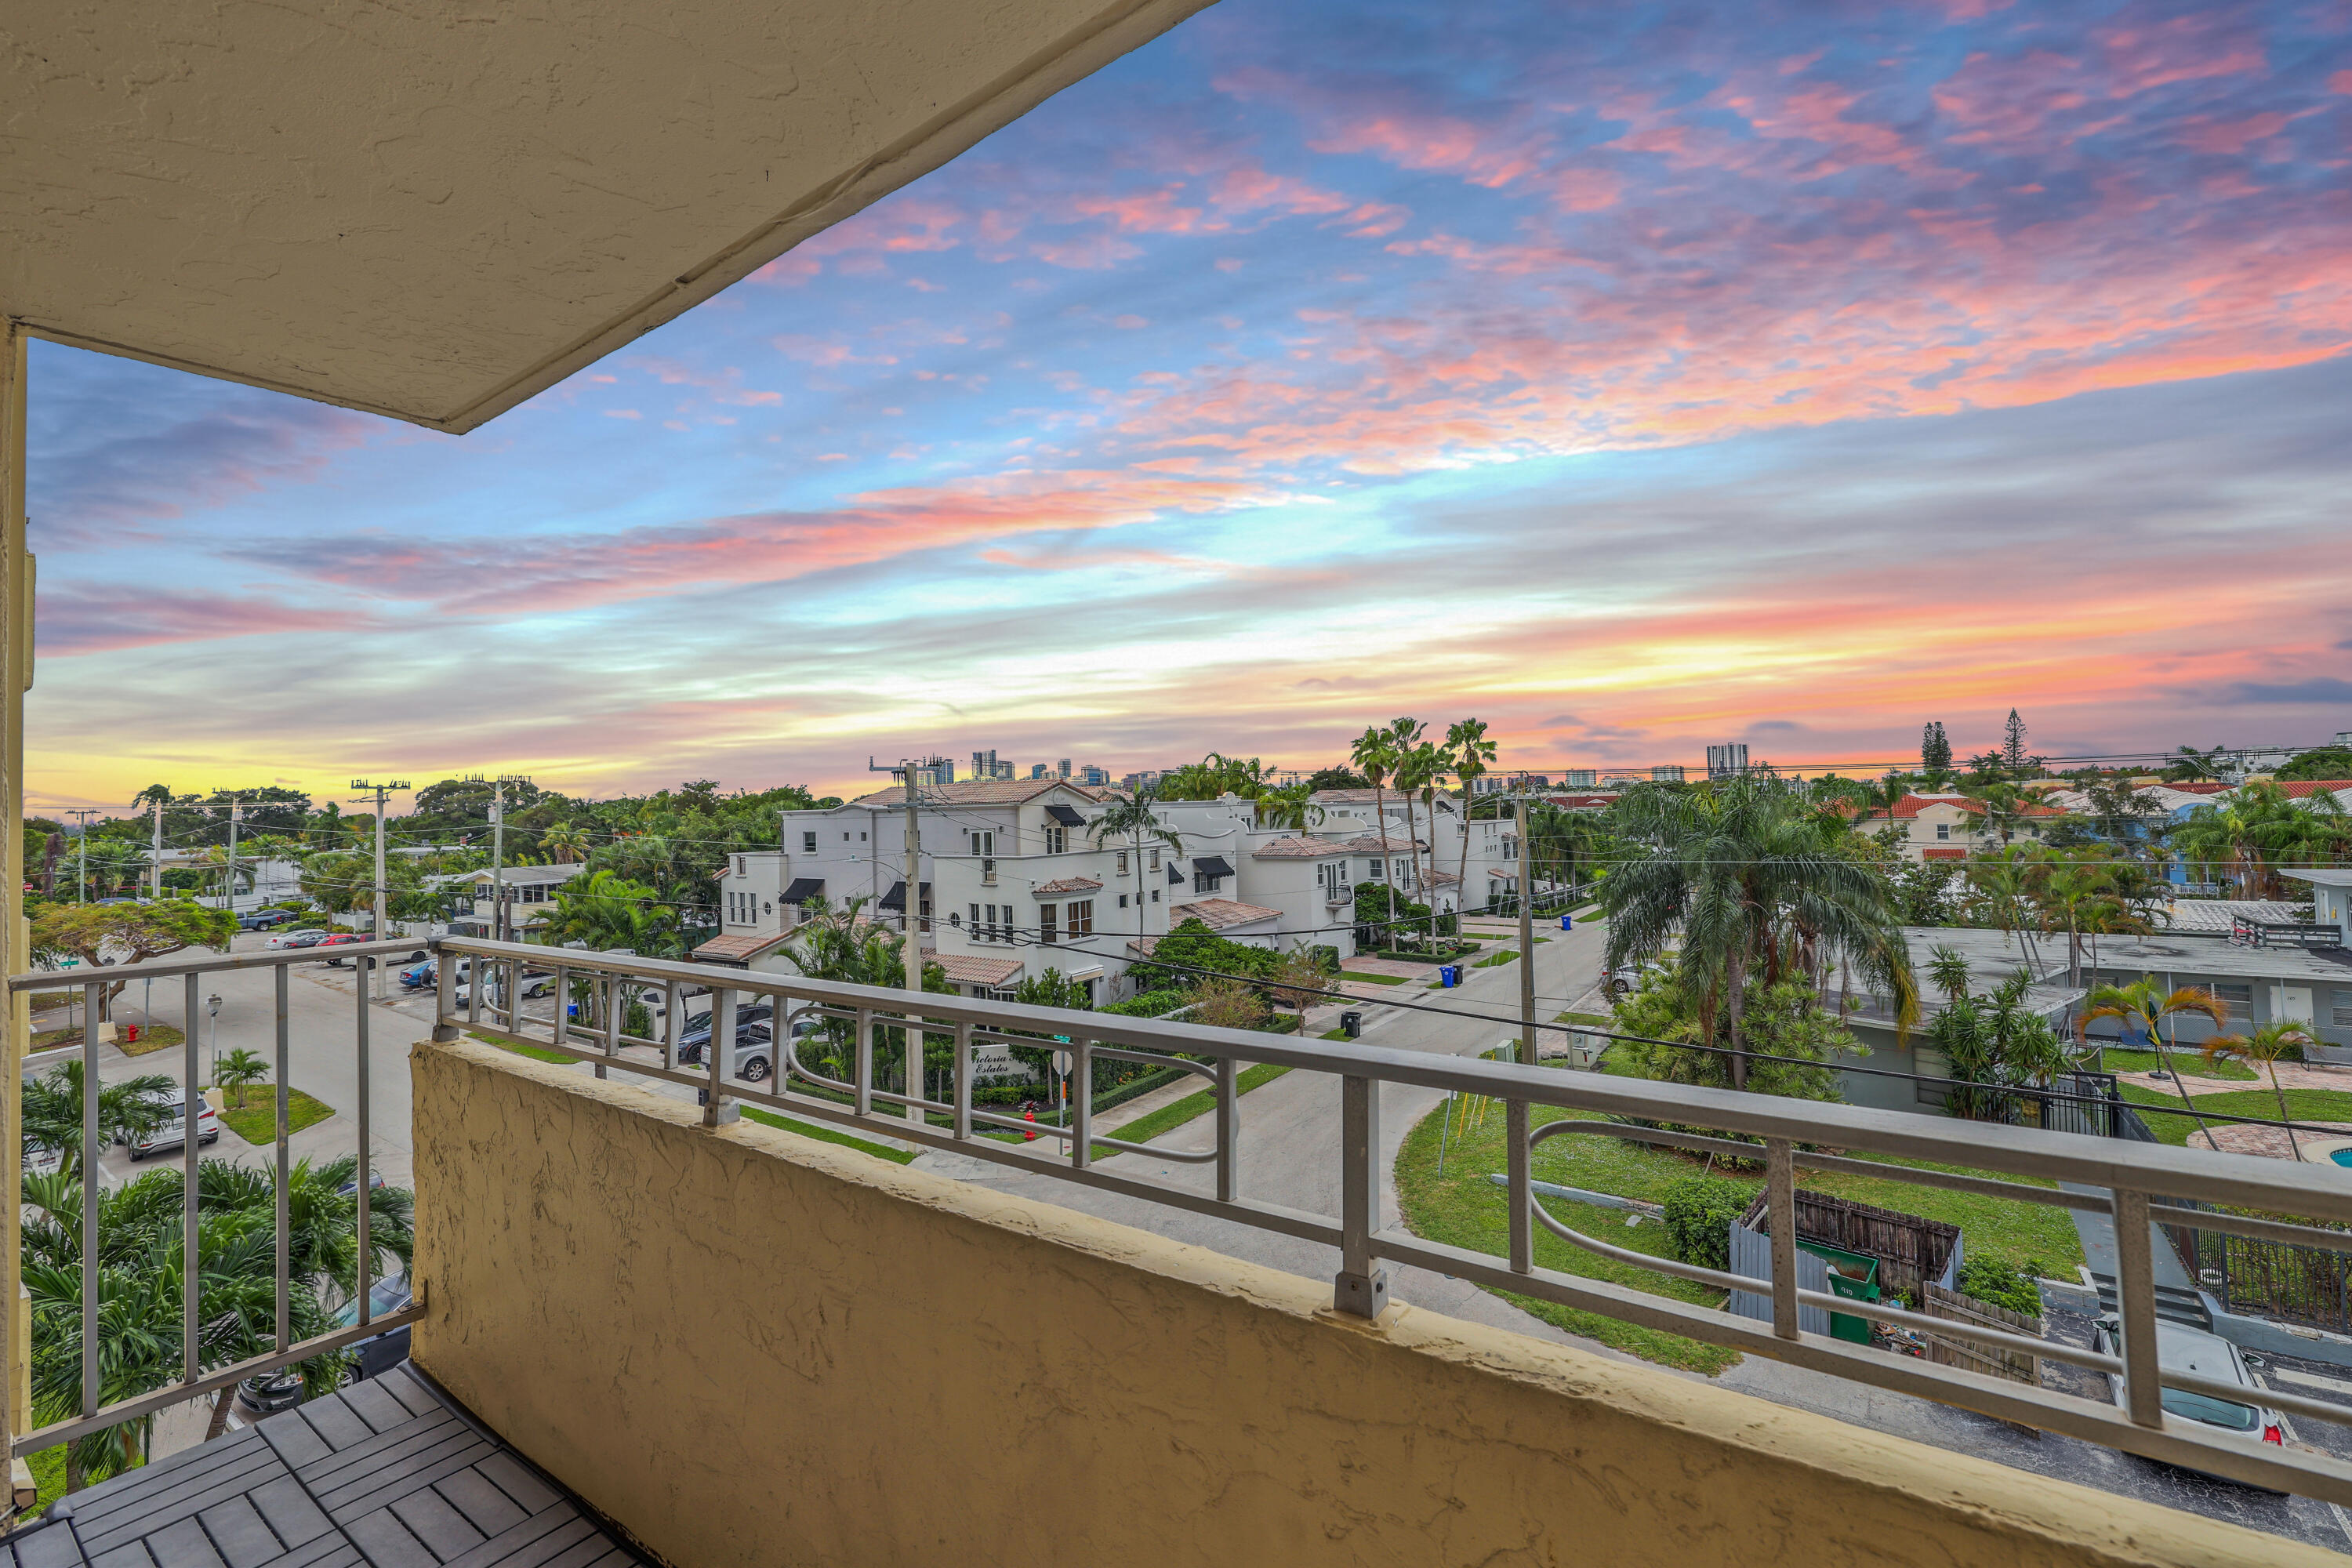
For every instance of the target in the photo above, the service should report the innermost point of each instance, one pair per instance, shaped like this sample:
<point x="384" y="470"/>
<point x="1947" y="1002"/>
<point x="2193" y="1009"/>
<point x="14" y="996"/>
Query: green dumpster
<point x="1853" y="1276"/>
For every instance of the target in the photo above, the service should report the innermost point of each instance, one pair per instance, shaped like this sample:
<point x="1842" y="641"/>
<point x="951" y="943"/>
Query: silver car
<point x="2181" y="1349"/>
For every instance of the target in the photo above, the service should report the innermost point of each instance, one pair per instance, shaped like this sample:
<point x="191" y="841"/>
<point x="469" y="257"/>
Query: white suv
<point x="173" y="1134"/>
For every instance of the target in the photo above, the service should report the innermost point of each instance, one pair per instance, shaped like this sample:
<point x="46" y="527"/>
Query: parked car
<point x="2182" y="1349"/>
<point x="267" y="919"/>
<point x="535" y="983"/>
<point x="419" y="976"/>
<point x="44" y="1161"/>
<point x="267" y="1393"/>
<point x="308" y="936"/>
<point x="754" y="1060"/>
<point x="339" y="939"/>
<point x="173" y="1134"/>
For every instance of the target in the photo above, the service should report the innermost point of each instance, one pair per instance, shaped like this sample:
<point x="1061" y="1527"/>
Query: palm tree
<point x="237" y="1070"/>
<point x="2146" y="1007"/>
<point x="2281" y="1040"/>
<point x="2257" y="830"/>
<point x="1418" y="767"/>
<point x="1289" y="806"/>
<point x="568" y="842"/>
<point x="1375" y="753"/>
<point x="607" y="910"/>
<point x="1467" y="753"/>
<point x="1756" y="889"/>
<point x="2067" y="892"/>
<point x="1949" y="970"/>
<point x="2003" y="886"/>
<point x="52" y="1112"/>
<point x="2190" y="763"/>
<point x="1131" y="816"/>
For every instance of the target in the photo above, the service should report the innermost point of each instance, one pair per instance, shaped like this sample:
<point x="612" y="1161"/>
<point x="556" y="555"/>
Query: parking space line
<point x="2312" y="1380"/>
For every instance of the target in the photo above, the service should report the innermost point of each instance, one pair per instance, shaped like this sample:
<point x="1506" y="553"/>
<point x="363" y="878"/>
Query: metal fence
<point x="2130" y="1182"/>
<point x="196" y="1379"/>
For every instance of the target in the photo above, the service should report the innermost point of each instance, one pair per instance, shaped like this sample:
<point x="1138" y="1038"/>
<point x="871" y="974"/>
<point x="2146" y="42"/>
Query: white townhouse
<point x="1385" y="854"/>
<point x="529" y="891"/>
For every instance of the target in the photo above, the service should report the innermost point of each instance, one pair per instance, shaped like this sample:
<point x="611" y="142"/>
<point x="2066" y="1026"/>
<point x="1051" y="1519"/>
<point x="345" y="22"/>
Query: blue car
<point x="418" y="976"/>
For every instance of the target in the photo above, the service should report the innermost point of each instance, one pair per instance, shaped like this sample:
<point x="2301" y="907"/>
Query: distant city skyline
<point x="1636" y="383"/>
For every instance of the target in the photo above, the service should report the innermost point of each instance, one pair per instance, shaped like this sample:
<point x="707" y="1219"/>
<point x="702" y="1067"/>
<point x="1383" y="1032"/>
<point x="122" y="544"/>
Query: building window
<point x="1045" y="923"/>
<point x="1155" y="895"/>
<point x="2340" y="1013"/>
<point x="1122" y="864"/>
<point x="1152" y="864"/>
<point x="1122" y="900"/>
<point x="1371" y="870"/>
<point x="808" y="842"/>
<point x="742" y="864"/>
<point x="1057" y="840"/>
<point x="2239" y="999"/>
<point x="1081" y="918"/>
<point x="1204" y="883"/>
<point x="1943" y="830"/>
<point x="983" y="844"/>
<point x="1402" y="868"/>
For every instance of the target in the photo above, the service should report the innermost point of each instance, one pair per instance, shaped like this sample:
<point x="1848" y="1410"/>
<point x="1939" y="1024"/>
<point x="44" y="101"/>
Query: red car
<point x="339" y="938"/>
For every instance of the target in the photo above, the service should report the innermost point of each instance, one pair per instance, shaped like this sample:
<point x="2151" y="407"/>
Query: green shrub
<point x="1991" y="1279"/>
<point x="1699" y="1212"/>
<point x="1149" y="1005"/>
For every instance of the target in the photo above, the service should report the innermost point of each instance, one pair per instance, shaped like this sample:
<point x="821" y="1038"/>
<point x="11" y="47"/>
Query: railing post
<point x="285" y="1262"/>
<point x="2135" y="1305"/>
<point x="1781" y="1203"/>
<point x="1361" y="1287"/>
<point x="611" y="1021"/>
<point x="366" y="1257"/>
<point x="561" y="988"/>
<point x="670" y="1022"/>
<point x="862" y="1051"/>
<point x="191" y="1281"/>
<point x="444" y="997"/>
<point x="1522" y="1196"/>
<point x="963" y="1049"/>
<point x="91" y="1186"/>
<point x="1229" y="1129"/>
<point x="1082" y="1103"/>
<point x="717" y="1110"/>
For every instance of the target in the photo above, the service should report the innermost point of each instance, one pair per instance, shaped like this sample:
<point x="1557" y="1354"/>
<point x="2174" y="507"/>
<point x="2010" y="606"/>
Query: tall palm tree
<point x="1289" y="806"/>
<point x="1418" y="767"/>
<point x="568" y="842"/>
<point x="1374" y="752"/>
<point x="607" y="910"/>
<point x="1467" y="753"/>
<point x="2281" y="1040"/>
<point x="2147" y="1007"/>
<point x="2067" y="892"/>
<point x="1132" y="816"/>
<point x="2257" y="830"/>
<point x="1745" y="875"/>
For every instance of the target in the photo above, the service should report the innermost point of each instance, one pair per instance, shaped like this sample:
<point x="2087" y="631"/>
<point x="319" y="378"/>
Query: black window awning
<point x="803" y="888"/>
<point x="1068" y="815"/>
<point x="895" y="899"/>
<point x="1211" y="866"/>
<point x="1175" y="877"/>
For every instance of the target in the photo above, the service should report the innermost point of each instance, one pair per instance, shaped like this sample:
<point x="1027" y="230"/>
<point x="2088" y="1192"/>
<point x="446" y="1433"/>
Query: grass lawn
<point x="256" y="1123"/>
<point x="1463" y="1208"/>
<point x="1332" y="1035"/>
<point x="2302" y="1104"/>
<point x="1466" y="1209"/>
<point x="2191" y="1064"/>
<point x="536" y="1053"/>
<point x="151" y="1038"/>
<point x="1596" y="1020"/>
<point x="1375" y="979"/>
<point x="827" y="1136"/>
<point x="1170" y="1117"/>
<point x="1493" y="959"/>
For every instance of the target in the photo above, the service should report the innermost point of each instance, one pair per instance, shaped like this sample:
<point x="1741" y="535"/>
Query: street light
<point x="211" y="1010"/>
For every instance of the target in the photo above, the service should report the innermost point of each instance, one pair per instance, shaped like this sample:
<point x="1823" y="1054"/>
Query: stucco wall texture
<point x="749" y="1348"/>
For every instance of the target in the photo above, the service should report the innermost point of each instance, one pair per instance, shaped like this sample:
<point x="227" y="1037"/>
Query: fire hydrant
<point x="1029" y="1114"/>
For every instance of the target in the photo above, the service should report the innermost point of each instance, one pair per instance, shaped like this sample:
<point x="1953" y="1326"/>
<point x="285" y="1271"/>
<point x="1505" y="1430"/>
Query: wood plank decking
<point x="384" y="1473"/>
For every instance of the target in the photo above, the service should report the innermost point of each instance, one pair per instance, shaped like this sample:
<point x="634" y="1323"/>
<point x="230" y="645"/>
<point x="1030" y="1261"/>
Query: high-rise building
<point x="1090" y="774"/>
<point x="1727" y="761"/>
<point x="1666" y="772"/>
<point x="1037" y="770"/>
<point x="1061" y="769"/>
<point x="931" y="771"/>
<point x="1579" y="778"/>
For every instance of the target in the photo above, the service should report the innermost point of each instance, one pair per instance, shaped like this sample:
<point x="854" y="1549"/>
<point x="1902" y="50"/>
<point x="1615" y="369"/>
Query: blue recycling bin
<point x="1449" y="975"/>
<point x="1567" y="922"/>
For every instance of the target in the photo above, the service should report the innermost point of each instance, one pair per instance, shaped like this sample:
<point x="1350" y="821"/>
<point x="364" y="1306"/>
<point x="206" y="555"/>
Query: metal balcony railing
<point x="2136" y="1184"/>
<point x="195" y="1379"/>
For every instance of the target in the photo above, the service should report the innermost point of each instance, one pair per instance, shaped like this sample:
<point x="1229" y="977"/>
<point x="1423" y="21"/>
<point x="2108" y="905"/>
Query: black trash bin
<point x="1353" y="1023"/>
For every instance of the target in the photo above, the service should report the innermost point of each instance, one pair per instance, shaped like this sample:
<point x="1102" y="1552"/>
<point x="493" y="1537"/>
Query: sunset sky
<point x="1631" y="377"/>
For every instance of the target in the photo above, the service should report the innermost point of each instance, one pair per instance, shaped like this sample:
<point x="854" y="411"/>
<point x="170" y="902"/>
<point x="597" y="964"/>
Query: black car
<point x="266" y="919"/>
<point x="267" y="1393"/>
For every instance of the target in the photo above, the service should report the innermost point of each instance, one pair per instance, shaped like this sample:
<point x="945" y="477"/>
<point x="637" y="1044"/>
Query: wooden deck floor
<point x="384" y="1473"/>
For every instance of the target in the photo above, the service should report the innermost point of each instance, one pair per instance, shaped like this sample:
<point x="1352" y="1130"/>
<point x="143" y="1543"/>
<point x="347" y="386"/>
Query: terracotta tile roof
<point x="1218" y="914"/>
<point x="1296" y="849"/>
<point x="1068" y="885"/>
<point x="982" y="792"/>
<point x="1379" y="844"/>
<point x="736" y="949"/>
<point x="971" y="969"/>
<point x="1911" y="805"/>
<point x="1934" y="854"/>
<point x="2304" y="789"/>
<point x="1351" y="796"/>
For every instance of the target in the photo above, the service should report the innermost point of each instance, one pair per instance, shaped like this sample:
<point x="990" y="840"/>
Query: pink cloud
<point x="85" y="619"/>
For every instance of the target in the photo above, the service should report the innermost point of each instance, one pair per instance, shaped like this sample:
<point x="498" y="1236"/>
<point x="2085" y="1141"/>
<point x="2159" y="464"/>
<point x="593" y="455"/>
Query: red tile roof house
<point x="1944" y="826"/>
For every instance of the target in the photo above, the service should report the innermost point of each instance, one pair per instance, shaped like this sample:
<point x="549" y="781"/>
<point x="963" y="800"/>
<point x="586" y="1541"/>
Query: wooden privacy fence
<point x="2017" y="1366"/>
<point x="1912" y="1252"/>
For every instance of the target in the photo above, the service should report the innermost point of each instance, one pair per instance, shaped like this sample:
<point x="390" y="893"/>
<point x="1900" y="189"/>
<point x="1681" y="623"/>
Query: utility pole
<point x="382" y="888"/>
<point x="235" y="815"/>
<point x="912" y="951"/>
<point x="1528" y="1051"/>
<point x="499" y="855"/>
<point x="81" y="852"/>
<point x="156" y="858"/>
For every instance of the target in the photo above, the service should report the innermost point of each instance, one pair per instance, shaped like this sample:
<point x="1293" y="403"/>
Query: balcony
<point x="650" y="1330"/>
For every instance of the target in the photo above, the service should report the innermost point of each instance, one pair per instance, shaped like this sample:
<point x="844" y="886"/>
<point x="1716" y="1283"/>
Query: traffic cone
<point x="1029" y="1114"/>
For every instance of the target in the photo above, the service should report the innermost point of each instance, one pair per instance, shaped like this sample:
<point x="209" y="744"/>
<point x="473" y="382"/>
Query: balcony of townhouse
<point x="649" y="1330"/>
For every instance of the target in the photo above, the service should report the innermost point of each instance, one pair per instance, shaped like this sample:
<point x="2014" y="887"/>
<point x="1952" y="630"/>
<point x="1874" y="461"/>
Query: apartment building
<point x="1946" y="827"/>
<point x="529" y="890"/>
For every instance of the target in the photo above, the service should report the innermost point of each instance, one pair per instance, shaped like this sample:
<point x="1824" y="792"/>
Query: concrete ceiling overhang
<point x="433" y="211"/>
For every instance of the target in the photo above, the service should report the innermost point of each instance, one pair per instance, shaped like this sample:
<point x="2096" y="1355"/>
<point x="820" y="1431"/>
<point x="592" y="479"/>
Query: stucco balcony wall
<point x="750" y="1348"/>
